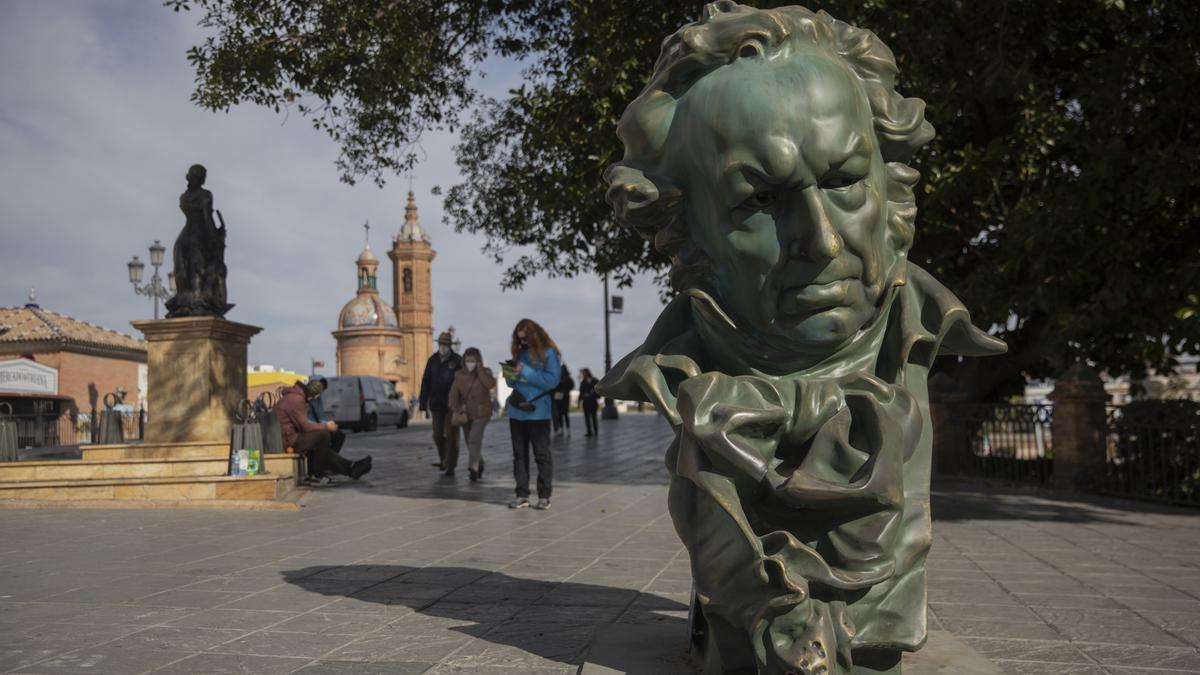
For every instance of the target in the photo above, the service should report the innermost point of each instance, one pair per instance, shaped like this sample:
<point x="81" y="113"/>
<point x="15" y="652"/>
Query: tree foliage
<point x="1060" y="198"/>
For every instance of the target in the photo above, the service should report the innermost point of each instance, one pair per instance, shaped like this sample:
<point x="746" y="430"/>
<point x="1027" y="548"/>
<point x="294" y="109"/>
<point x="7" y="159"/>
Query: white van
<point x="364" y="403"/>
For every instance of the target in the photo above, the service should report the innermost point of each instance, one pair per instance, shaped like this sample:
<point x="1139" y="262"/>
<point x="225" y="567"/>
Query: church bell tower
<point x="412" y="274"/>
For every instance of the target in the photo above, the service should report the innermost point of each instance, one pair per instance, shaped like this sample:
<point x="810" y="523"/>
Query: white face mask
<point x="470" y="365"/>
<point x="443" y="350"/>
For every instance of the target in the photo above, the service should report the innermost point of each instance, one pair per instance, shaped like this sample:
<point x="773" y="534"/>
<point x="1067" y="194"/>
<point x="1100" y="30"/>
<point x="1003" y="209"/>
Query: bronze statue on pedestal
<point x="199" y="254"/>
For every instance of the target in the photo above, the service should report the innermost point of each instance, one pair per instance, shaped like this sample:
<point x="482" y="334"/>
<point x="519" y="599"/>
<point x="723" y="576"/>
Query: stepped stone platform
<point x="158" y="475"/>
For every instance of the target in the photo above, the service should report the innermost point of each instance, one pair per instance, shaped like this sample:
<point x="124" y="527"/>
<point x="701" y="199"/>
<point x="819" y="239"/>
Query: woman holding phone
<point x="533" y="374"/>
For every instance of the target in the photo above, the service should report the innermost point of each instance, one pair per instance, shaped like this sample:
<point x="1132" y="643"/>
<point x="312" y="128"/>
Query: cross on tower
<point x="367" y="230"/>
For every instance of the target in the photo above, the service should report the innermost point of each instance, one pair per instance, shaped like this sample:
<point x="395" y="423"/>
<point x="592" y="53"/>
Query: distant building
<point x="1184" y="383"/>
<point x="47" y="355"/>
<point x="412" y="292"/>
<point x="267" y="378"/>
<point x="392" y="342"/>
<point x="368" y="340"/>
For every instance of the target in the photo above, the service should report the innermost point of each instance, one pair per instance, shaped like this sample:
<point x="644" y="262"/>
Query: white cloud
<point x="97" y="131"/>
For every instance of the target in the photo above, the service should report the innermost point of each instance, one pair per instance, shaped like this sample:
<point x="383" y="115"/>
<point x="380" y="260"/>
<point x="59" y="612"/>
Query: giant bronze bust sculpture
<point x="766" y="157"/>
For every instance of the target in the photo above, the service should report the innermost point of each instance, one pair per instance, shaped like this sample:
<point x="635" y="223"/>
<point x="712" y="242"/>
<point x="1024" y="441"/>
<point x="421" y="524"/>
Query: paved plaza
<point x="409" y="572"/>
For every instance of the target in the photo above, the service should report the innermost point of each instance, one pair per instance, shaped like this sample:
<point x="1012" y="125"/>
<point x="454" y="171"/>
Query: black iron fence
<point x="57" y="431"/>
<point x="1004" y="441"/>
<point x="1153" y="453"/>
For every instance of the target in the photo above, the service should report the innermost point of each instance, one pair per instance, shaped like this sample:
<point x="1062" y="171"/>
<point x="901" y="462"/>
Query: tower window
<point x="408" y="280"/>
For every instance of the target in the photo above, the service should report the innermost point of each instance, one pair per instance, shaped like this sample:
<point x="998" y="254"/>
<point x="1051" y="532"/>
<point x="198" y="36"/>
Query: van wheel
<point x="372" y="422"/>
<point x="403" y="420"/>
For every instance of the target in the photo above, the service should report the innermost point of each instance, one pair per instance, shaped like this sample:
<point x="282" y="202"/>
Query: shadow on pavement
<point x="552" y="620"/>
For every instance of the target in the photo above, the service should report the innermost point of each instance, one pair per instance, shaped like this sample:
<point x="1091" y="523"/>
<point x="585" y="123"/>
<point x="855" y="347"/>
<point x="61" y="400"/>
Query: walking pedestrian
<point x="471" y="406"/>
<point x="589" y="400"/>
<point x="533" y="373"/>
<point x="562" y="402"/>
<point x="435" y="397"/>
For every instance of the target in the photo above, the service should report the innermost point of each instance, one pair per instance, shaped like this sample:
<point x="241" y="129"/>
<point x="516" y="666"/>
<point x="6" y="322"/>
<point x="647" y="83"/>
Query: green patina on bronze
<point x="767" y="157"/>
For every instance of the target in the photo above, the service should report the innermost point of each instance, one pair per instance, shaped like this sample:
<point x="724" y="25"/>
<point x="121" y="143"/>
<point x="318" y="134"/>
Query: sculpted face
<point x="786" y="193"/>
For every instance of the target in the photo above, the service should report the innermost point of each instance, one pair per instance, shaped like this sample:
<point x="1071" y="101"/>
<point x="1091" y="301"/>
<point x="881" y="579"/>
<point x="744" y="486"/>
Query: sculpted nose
<point x="815" y="236"/>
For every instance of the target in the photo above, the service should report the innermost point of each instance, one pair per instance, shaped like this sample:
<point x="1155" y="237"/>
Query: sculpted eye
<point x="840" y="182"/>
<point x="762" y="199"/>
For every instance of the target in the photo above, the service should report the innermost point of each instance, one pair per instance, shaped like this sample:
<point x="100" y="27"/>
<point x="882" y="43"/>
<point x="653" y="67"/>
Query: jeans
<point x="589" y="416"/>
<point x="473" y="431"/>
<point x="562" y="413"/>
<point x="445" y="437"/>
<point x="537" y="434"/>
<point x="322" y="460"/>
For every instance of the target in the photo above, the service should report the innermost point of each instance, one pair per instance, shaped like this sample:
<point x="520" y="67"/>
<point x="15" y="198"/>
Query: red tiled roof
<point x="34" y="324"/>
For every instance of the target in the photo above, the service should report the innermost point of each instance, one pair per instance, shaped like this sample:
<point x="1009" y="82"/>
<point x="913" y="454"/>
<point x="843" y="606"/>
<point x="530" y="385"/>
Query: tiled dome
<point x="366" y="310"/>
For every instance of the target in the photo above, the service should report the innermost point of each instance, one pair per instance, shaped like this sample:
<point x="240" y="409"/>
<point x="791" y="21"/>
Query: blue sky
<point x="97" y="131"/>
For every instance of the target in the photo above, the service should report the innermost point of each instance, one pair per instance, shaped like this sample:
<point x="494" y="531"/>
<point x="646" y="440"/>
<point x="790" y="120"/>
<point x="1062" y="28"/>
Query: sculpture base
<point x="196" y="376"/>
<point x="662" y="649"/>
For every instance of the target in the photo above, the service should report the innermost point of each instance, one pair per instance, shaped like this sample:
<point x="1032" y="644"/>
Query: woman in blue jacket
<point x="533" y="374"/>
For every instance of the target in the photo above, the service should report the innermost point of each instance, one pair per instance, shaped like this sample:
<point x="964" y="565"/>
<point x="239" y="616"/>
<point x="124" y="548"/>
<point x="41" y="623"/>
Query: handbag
<point x="459" y="418"/>
<point x="517" y="400"/>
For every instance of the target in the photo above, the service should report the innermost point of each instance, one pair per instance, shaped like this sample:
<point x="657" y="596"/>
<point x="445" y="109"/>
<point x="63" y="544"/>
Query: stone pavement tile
<point x="1118" y="670"/>
<point x="526" y="644"/>
<point x="106" y="660"/>
<point x="1089" y="601"/>
<point x="182" y="638"/>
<point x="333" y="623"/>
<point x="1041" y="668"/>
<point x="1188" y="604"/>
<point x="14" y="657"/>
<point x="360" y="668"/>
<point x="1138" y="655"/>
<point x="252" y="584"/>
<point x="1010" y="612"/>
<point x="1121" y="670"/>
<point x="476" y="669"/>
<point x="1092" y="617"/>
<point x="239" y="619"/>
<point x="231" y="664"/>
<point x="1028" y="650"/>
<point x="275" y="643"/>
<point x="135" y="614"/>
<point x="580" y="594"/>
<point x="358" y="572"/>
<point x="28" y="612"/>
<point x="397" y="646"/>
<point x="188" y="598"/>
<point x="281" y="599"/>
<point x="1033" y="630"/>
<point x="1118" y="635"/>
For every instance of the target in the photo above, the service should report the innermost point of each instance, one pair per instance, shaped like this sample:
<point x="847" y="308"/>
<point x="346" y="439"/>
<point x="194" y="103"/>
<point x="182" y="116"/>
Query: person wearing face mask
<point x="471" y="406"/>
<point x="435" y="399"/>
<point x="533" y="374"/>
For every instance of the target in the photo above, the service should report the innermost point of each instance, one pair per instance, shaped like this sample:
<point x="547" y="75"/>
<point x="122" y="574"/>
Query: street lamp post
<point x="155" y="288"/>
<point x="615" y="306"/>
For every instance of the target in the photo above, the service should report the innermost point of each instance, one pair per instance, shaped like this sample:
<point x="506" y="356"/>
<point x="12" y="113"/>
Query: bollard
<point x="110" y="421"/>
<point x="8" y="435"/>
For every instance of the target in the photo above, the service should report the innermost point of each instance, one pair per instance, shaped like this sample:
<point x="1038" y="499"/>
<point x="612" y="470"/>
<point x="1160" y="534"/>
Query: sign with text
<point x="27" y="377"/>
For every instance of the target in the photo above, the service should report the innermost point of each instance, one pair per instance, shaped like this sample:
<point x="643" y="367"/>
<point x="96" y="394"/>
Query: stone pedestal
<point x="197" y="375"/>
<point x="1079" y="428"/>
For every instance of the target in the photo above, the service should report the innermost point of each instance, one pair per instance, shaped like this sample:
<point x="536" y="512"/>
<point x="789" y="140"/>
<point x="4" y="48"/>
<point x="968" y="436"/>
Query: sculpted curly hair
<point x="651" y="204"/>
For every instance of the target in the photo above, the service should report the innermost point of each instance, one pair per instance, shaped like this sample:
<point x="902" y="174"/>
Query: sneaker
<point x="543" y="505"/>
<point x="448" y="473"/>
<point x="519" y="503"/>
<point x="360" y="468"/>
